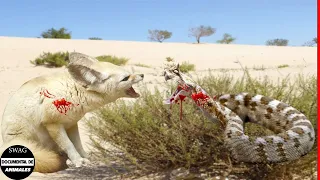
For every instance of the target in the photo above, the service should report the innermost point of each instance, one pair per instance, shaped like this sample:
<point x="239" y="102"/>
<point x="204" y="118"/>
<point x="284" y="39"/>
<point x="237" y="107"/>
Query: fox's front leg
<point x="60" y="136"/>
<point x="74" y="136"/>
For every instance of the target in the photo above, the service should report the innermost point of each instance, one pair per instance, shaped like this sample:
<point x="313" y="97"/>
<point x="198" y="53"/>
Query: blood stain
<point x="46" y="93"/>
<point x="63" y="106"/>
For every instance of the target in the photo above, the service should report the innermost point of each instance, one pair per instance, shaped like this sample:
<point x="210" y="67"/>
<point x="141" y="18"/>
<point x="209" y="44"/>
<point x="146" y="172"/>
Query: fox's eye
<point x="125" y="79"/>
<point x="176" y="71"/>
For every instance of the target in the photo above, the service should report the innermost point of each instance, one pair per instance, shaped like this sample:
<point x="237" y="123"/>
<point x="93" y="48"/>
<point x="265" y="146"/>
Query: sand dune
<point x="19" y="50"/>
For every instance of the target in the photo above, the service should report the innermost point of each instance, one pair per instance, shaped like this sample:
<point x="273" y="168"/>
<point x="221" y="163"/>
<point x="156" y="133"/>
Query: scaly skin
<point x="294" y="133"/>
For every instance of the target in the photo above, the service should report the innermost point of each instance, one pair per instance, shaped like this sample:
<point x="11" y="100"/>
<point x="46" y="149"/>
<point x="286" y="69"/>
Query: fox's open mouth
<point x="132" y="93"/>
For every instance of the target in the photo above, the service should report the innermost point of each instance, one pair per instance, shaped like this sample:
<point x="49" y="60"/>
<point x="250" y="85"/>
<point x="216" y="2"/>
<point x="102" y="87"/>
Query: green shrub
<point x="95" y="38"/>
<point x="60" y="59"/>
<point x="149" y="133"/>
<point x="186" y="67"/>
<point x="169" y="59"/>
<point x="259" y="68"/>
<point x="283" y="66"/>
<point x="120" y="61"/>
<point x="159" y="35"/>
<point x="142" y="65"/>
<point x="152" y="137"/>
<point x="53" y="33"/>
<point x="277" y="42"/>
<point x="49" y="59"/>
<point x="227" y="39"/>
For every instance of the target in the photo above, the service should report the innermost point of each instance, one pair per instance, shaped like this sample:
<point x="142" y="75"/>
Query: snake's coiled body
<point x="294" y="134"/>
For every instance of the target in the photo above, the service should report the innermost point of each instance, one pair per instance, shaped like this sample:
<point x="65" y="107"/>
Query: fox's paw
<point x="84" y="155"/>
<point x="79" y="162"/>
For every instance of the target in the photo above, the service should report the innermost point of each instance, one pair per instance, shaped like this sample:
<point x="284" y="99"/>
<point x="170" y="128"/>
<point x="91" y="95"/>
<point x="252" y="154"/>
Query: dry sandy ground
<point x="15" y="68"/>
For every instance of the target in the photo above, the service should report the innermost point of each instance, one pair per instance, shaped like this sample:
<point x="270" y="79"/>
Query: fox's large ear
<point x="80" y="68"/>
<point x="75" y="57"/>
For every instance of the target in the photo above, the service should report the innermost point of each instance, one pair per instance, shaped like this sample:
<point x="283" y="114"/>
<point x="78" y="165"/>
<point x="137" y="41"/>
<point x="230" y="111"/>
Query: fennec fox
<point x="43" y="114"/>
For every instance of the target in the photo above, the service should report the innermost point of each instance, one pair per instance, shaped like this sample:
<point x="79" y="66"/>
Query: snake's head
<point x="172" y="72"/>
<point x="185" y="85"/>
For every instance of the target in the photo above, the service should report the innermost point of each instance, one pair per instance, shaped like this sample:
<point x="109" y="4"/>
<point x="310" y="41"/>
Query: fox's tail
<point x="46" y="161"/>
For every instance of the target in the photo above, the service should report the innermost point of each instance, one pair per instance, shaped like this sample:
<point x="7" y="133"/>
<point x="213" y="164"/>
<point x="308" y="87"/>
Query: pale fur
<point x="46" y="160"/>
<point x="32" y="120"/>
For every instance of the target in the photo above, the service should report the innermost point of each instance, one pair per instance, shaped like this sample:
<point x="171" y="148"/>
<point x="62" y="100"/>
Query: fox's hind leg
<point x="16" y="127"/>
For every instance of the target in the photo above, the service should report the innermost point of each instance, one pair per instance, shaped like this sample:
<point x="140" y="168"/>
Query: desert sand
<point x="15" y="68"/>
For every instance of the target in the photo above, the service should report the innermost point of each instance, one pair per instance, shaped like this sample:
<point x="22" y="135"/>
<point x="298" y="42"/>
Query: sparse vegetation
<point x="201" y="31"/>
<point x="312" y="43"/>
<point x="186" y="67"/>
<point x="315" y="40"/>
<point x="259" y="68"/>
<point x="283" y="66"/>
<point x="169" y="59"/>
<point x="277" y="42"/>
<point x="152" y="137"/>
<point x="60" y="59"/>
<point x="49" y="59"/>
<point x="95" y="38"/>
<point x="120" y="61"/>
<point x="227" y="39"/>
<point x="52" y="33"/>
<point x="159" y="35"/>
<point x="142" y="65"/>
